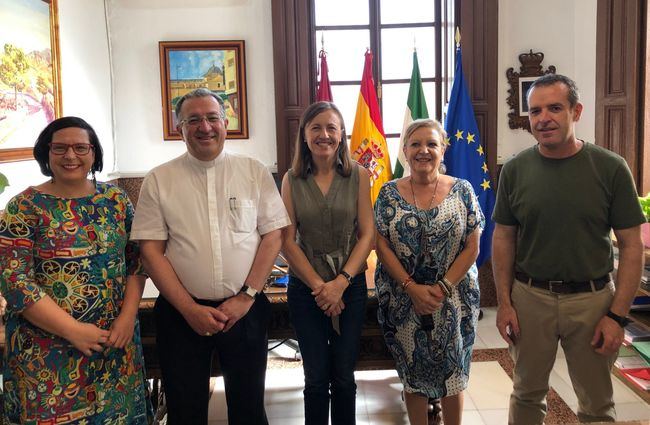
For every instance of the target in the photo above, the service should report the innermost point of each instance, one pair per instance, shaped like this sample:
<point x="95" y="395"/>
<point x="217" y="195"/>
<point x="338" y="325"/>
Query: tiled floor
<point x="378" y="394"/>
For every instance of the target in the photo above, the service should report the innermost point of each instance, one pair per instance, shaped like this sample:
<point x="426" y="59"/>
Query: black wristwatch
<point x="347" y="276"/>
<point x="622" y="321"/>
<point x="251" y="292"/>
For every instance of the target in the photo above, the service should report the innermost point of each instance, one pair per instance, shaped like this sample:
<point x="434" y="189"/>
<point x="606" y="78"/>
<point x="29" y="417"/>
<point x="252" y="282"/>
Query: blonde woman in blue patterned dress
<point x="428" y="230"/>
<point x="73" y="285"/>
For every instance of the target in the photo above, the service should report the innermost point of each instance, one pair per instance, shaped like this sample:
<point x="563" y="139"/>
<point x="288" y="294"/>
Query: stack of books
<point x="634" y="359"/>
<point x="645" y="282"/>
<point x="640" y="303"/>
<point x="635" y="332"/>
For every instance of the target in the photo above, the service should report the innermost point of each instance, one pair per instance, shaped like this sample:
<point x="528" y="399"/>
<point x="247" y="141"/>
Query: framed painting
<point x="218" y="66"/>
<point x="30" y="86"/>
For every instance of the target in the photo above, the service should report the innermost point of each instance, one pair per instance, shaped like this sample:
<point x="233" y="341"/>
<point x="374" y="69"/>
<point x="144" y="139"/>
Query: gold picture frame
<point x="30" y="84"/>
<point x="219" y="66"/>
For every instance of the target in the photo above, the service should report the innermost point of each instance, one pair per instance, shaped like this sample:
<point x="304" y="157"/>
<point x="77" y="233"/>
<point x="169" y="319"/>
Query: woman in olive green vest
<point x="327" y="196"/>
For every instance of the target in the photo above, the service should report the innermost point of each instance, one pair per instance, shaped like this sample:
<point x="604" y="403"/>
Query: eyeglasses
<point x="78" y="148"/>
<point x="196" y="121"/>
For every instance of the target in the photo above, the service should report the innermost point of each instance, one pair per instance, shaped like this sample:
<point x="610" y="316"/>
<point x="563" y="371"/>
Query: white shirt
<point x="212" y="215"/>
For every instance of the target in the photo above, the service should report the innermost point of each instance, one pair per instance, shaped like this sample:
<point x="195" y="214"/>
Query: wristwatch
<point x="347" y="276"/>
<point x="622" y="321"/>
<point x="251" y="292"/>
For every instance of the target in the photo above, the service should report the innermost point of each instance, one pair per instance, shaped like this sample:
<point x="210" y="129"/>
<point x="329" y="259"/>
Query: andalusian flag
<point x="368" y="142"/>
<point x="416" y="108"/>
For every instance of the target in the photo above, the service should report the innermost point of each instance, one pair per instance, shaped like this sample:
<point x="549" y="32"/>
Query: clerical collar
<point x="206" y="164"/>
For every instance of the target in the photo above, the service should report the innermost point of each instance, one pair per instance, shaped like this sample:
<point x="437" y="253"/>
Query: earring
<point x="442" y="168"/>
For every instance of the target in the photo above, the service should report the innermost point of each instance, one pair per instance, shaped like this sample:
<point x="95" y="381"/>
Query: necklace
<point x="433" y="198"/>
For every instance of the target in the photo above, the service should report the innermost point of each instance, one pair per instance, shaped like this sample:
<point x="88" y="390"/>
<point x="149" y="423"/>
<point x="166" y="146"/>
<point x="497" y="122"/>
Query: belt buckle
<point x="552" y="283"/>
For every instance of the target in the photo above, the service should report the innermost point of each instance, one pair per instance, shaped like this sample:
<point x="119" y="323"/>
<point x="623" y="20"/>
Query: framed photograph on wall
<point x="519" y="82"/>
<point x="218" y="66"/>
<point x="30" y="86"/>
<point x="524" y="85"/>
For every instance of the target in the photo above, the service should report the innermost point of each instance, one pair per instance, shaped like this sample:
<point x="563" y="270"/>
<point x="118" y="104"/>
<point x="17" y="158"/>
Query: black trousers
<point x="186" y="357"/>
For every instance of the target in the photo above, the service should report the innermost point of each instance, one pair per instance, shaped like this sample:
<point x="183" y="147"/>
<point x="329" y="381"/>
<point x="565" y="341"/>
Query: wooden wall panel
<point x="479" y="41"/>
<point x="615" y="126"/>
<point x="293" y="69"/>
<point x="619" y="81"/>
<point x="644" y="184"/>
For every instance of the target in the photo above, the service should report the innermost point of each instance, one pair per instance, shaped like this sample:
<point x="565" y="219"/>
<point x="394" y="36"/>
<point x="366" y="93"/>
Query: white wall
<point x="136" y="28"/>
<point x="566" y="33"/>
<point x="85" y="84"/>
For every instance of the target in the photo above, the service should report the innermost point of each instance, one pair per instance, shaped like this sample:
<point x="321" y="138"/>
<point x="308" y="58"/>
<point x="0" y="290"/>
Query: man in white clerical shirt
<point x="209" y="225"/>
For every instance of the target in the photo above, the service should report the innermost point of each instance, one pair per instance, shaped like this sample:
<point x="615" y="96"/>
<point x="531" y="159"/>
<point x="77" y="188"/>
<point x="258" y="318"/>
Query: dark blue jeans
<point x="328" y="358"/>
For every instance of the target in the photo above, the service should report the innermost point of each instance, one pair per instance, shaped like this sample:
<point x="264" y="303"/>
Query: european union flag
<point x="465" y="156"/>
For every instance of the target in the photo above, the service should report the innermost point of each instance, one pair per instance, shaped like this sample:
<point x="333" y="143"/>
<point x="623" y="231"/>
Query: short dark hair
<point x="302" y="159"/>
<point x="200" y="92"/>
<point x="550" y="79"/>
<point x="42" y="146"/>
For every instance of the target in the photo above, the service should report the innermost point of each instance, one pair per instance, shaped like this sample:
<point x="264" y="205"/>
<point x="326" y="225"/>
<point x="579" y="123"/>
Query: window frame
<point x="294" y="70"/>
<point x="444" y="55"/>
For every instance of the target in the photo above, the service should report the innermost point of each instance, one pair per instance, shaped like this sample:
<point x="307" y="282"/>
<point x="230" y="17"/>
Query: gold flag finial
<point x="457" y="37"/>
<point x="322" y="41"/>
<point x="414" y="48"/>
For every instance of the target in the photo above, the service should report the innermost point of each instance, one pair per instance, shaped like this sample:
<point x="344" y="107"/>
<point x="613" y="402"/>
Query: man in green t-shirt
<point x="557" y="203"/>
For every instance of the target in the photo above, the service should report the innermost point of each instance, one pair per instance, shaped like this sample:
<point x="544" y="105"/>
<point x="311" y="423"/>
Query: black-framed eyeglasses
<point x="77" y="148"/>
<point x="195" y="121"/>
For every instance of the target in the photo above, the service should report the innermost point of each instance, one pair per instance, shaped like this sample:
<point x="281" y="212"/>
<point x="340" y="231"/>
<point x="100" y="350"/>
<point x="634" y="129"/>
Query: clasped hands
<point x="328" y="296"/>
<point x="207" y="321"/>
<point x="87" y="337"/>
<point x="425" y="298"/>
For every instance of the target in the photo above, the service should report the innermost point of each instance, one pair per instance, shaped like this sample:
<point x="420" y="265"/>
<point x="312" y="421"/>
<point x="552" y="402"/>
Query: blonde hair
<point x="424" y="123"/>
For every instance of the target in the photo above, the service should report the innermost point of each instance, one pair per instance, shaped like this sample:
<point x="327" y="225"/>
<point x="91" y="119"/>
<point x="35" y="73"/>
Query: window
<point x="391" y="29"/>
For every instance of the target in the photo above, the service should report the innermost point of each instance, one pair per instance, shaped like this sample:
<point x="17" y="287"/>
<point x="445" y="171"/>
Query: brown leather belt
<point x="564" y="287"/>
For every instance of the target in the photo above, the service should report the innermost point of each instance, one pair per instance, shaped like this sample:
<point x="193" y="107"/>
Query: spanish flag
<point x="368" y="142"/>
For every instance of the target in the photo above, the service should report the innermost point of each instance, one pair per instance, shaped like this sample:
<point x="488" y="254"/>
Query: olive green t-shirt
<point x="565" y="209"/>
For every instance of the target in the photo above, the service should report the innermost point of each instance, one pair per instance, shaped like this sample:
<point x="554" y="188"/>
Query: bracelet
<point x="409" y="280"/>
<point x="447" y="283"/>
<point x="444" y="288"/>
<point x="347" y="276"/>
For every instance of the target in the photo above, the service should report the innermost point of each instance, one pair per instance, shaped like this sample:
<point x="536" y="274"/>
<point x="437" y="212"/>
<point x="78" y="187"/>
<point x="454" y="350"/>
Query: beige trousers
<point x="544" y="319"/>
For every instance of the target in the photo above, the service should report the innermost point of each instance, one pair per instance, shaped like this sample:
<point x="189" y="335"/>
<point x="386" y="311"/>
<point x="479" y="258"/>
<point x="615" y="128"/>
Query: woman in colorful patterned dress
<point x="428" y="230"/>
<point x="73" y="284"/>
